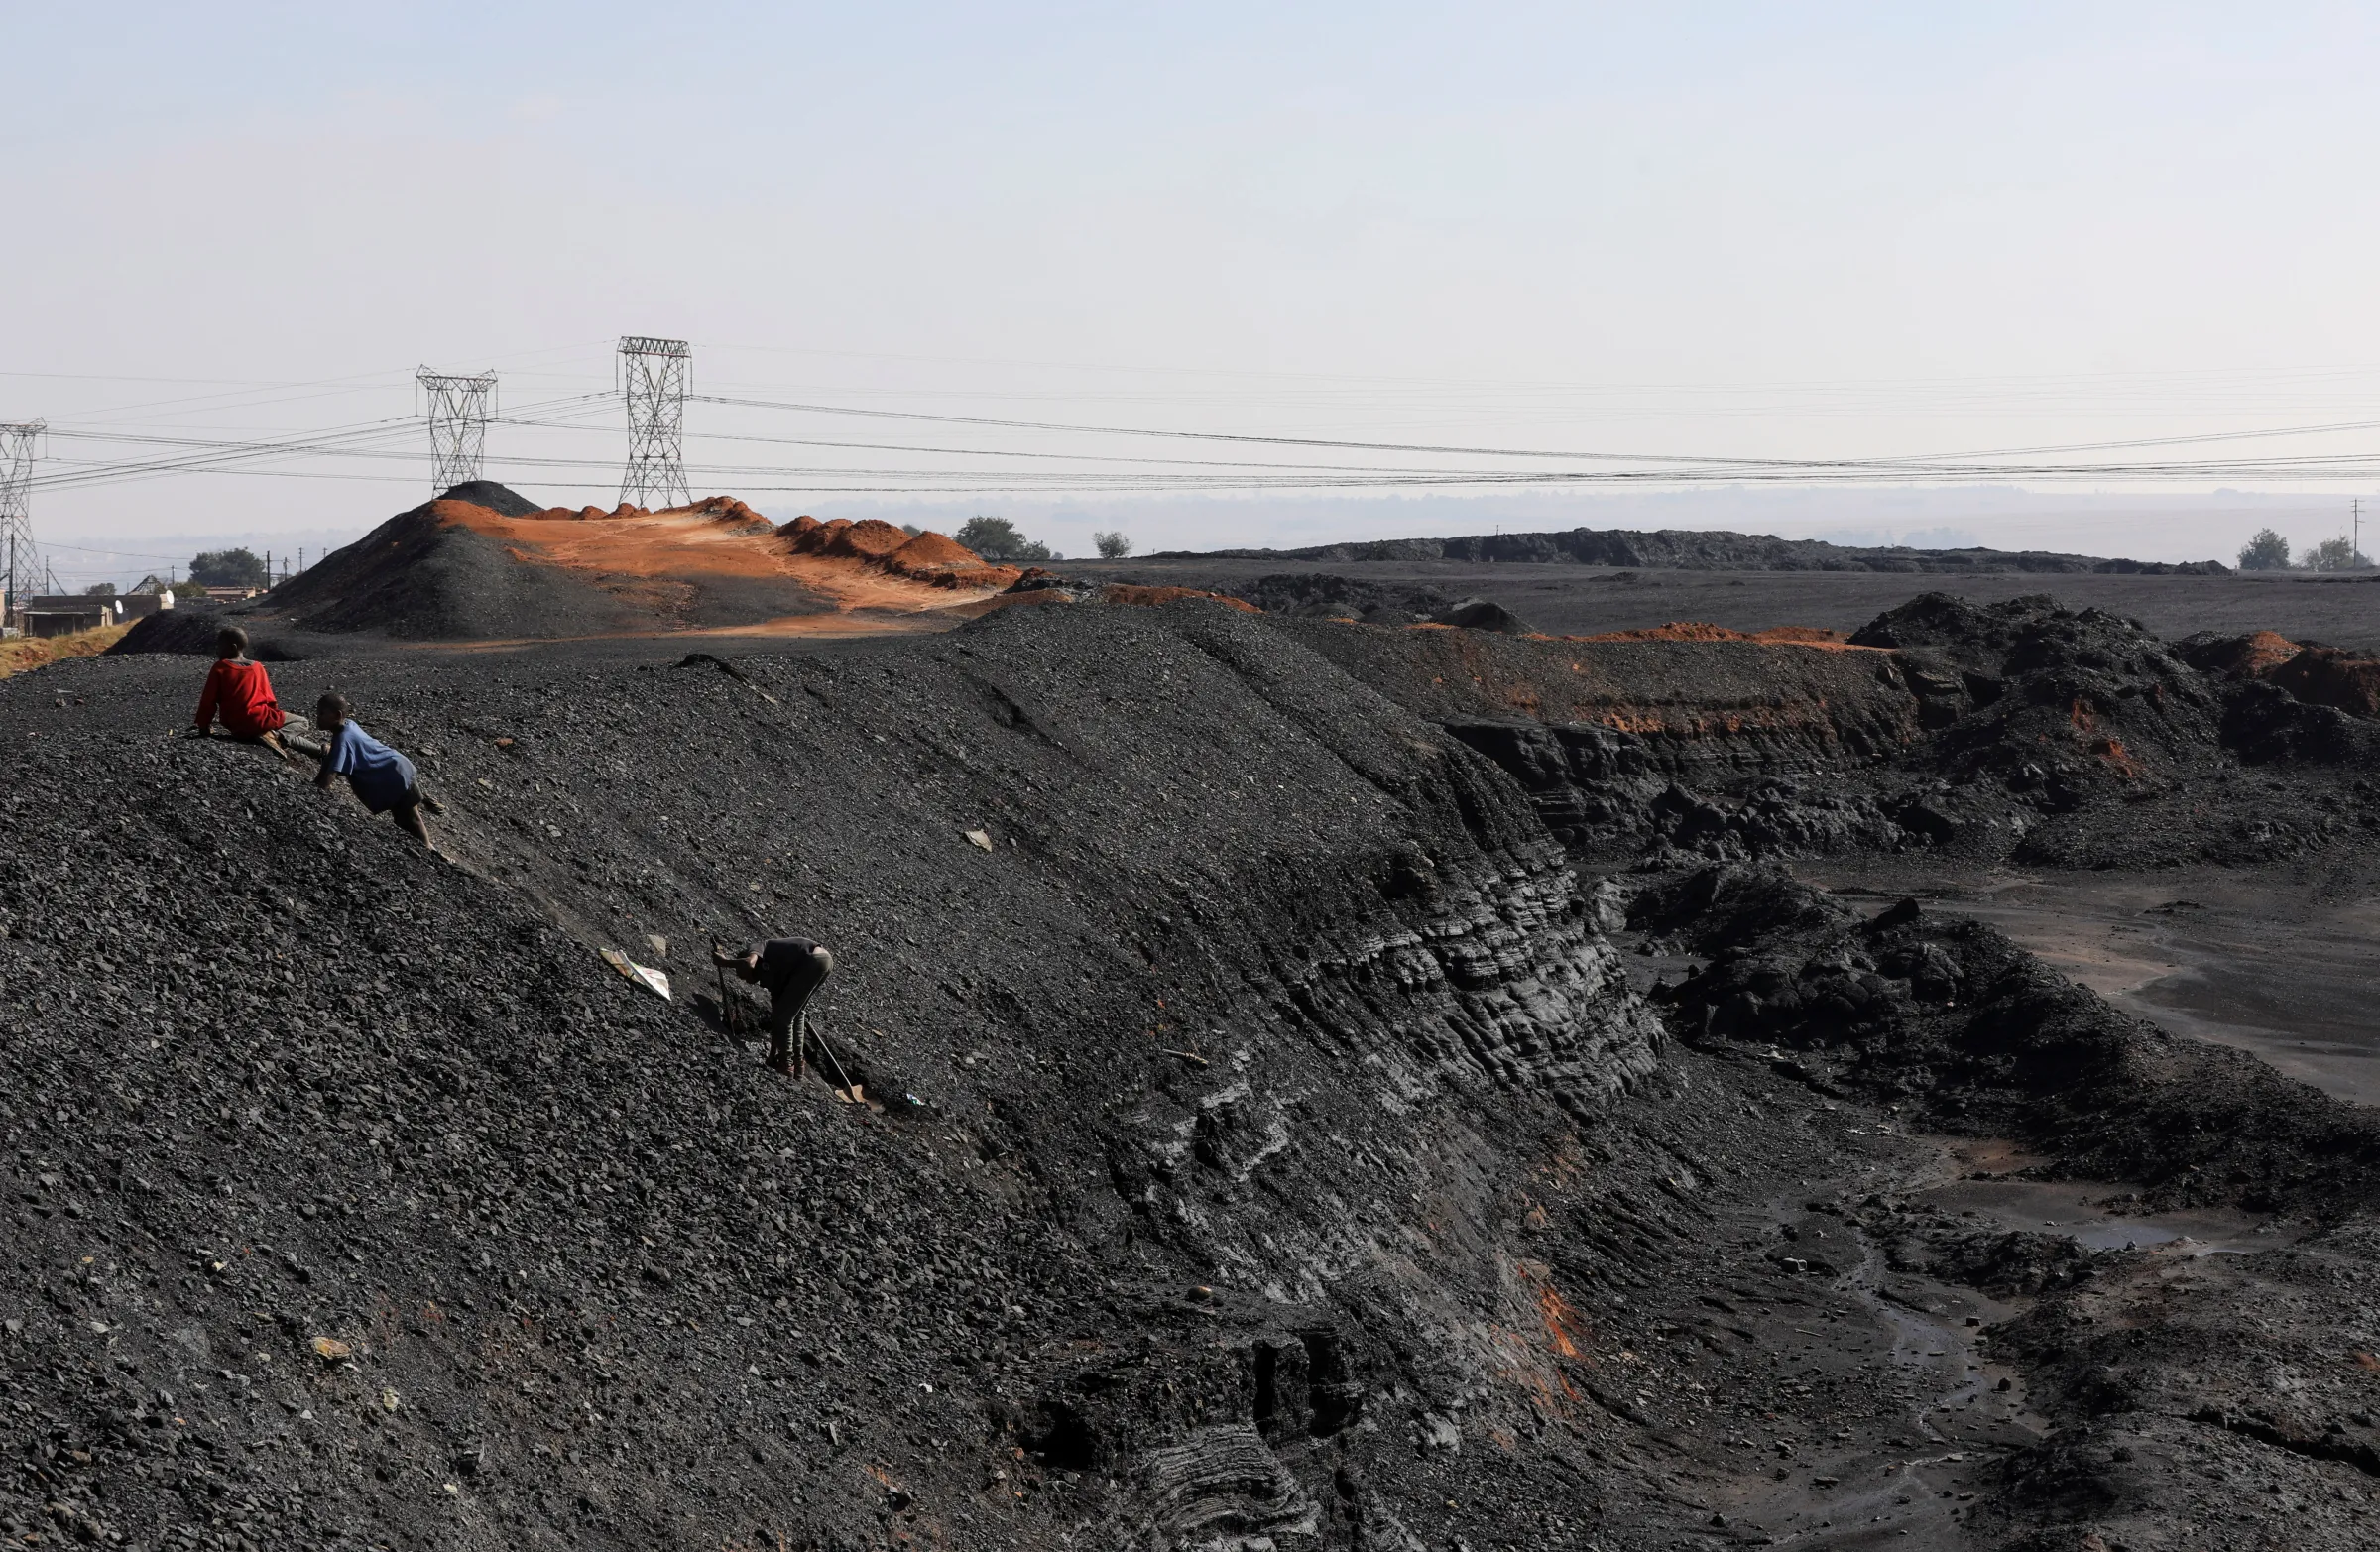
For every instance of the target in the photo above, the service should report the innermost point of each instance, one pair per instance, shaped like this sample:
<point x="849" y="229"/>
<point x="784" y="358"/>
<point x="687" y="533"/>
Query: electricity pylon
<point x="654" y="372"/>
<point x="22" y="556"/>
<point x="459" y="409"/>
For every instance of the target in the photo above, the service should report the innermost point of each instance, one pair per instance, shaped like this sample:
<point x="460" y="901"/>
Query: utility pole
<point x="16" y="512"/>
<point x="2355" y="545"/>
<point x="459" y="409"/>
<point x="655" y="372"/>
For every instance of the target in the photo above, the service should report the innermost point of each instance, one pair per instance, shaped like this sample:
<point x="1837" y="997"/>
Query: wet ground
<point x="2281" y="962"/>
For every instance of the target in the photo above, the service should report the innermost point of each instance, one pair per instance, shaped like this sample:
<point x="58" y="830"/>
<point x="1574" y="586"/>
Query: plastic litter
<point x="655" y="980"/>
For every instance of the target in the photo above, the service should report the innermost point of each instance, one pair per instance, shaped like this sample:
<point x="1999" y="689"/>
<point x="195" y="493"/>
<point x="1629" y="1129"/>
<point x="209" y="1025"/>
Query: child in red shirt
<point x="238" y="691"/>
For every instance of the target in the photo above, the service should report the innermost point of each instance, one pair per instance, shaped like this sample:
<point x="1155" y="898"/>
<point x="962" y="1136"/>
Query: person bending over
<point x="240" y="692"/>
<point x="382" y="779"/>
<point x="791" y="969"/>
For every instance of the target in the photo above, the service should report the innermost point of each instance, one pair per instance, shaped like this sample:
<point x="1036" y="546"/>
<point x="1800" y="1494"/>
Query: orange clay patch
<point x="1700" y="631"/>
<point x="2330" y="677"/>
<point x="2113" y="752"/>
<point x="1565" y="1327"/>
<point x="1150" y="597"/>
<point x="841" y="564"/>
<point x="931" y="559"/>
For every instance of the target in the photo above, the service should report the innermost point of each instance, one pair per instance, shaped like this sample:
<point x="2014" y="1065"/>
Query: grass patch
<point x="20" y="654"/>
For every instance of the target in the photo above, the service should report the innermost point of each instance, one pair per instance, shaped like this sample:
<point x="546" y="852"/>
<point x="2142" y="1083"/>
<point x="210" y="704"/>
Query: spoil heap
<point x="2019" y="731"/>
<point x="433" y="574"/>
<point x="483" y="563"/>
<point x="1270" y="1146"/>
<point x="1711" y="549"/>
<point x="929" y="558"/>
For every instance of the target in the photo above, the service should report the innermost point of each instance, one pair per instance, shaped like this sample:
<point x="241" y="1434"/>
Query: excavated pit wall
<point x="585" y="1276"/>
<point x="1614" y="740"/>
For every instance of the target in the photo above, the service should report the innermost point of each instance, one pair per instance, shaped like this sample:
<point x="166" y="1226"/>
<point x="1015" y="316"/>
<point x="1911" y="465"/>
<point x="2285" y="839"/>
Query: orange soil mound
<point x="932" y="558"/>
<point x="870" y="539"/>
<point x="1699" y="630"/>
<point x="2257" y="655"/>
<point x="1813" y="634"/>
<point x="1150" y="597"/>
<point x="1674" y="631"/>
<point x="2330" y="677"/>
<point x="722" y="537"/>
<point x="933" y="549"/>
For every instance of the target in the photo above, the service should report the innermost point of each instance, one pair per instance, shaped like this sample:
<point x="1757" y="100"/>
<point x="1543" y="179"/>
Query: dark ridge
<point x="191" y="632"/>
<point x="502" y="500"/>
<point x="1706" y="550"/>
<point x="419" y="577"/>
<point x="1328" y="595"/>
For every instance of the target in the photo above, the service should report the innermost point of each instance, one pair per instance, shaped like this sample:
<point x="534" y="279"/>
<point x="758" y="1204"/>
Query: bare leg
<point x="408" y="819"/>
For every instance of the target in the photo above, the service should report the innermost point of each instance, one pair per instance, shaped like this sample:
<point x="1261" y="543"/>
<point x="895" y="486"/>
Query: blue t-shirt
<point x="380" y="776"/>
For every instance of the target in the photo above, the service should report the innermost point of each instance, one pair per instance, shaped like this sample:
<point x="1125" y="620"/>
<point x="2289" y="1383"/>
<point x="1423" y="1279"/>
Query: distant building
<point x="228" y="595"/>
<point x="62" y="614"/>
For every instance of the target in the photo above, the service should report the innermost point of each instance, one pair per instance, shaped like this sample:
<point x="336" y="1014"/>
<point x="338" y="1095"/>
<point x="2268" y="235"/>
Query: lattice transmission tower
<point x="654" y="372"/>
<point x="18" y="552"/>
<point x="459" y="409"/>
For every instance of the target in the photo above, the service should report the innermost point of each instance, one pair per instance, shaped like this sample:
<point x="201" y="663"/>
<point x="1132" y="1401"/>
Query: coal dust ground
<point x="1325" y="1086"/>
<point x="1580" y="600"/>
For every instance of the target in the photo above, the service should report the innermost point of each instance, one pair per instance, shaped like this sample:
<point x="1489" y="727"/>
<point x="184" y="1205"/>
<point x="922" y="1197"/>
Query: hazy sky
<point x="1786" y="231"/>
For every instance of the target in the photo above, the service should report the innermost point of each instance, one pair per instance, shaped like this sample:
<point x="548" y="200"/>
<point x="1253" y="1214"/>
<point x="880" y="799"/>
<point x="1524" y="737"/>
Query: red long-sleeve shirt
<point x="239" y="690"/>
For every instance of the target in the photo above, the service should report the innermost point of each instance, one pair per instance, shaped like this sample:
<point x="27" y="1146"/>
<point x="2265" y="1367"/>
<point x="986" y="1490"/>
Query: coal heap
<point x="2019" y="731"/>
<point x="425" y="575"/>
<point x="1707" y="549"/>
<point x="1257" y="1134"/>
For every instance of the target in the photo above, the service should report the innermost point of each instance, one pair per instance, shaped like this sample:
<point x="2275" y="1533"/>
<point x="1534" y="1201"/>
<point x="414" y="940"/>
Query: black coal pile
<point x="193" y="631"/>
<point x="425" y="576"/>
<point x="1335" y="595"/>
<point x="2029" y="733"/>
<point x="356" y="1201"/>
<point x="1256" y="1139"/>
<point x="1701" y="549"/>
<point x="502" y="500"/>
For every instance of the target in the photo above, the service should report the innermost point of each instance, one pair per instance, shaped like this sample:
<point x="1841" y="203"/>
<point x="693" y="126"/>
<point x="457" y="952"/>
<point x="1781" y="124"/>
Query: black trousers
<point x="788" y="1004"/>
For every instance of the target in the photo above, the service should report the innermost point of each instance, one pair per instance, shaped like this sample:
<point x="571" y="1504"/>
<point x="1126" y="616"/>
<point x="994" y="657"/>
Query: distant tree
<point x="2267" y="551"/>
<point x="997" y="538"/>
<point x="100" y="590"/>
<point x="1111" y="547"/>
<point x="911" y="528"/>
<point x="227" y="568"/>
<point x="2336" y="554"/>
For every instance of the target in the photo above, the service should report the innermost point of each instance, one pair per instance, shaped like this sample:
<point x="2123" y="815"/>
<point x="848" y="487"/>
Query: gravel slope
<point x="1271" y="1143"/>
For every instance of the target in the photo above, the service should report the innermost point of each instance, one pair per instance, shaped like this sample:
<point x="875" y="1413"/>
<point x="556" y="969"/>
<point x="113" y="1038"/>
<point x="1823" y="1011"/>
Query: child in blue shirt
<point x="380" y="776"/>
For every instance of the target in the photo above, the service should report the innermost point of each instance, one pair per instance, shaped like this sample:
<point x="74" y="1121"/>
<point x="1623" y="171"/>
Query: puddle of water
<point x="2070" y="1207"/>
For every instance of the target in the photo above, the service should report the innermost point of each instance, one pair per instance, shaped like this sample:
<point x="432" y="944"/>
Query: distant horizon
<point x="2189" y="527"/>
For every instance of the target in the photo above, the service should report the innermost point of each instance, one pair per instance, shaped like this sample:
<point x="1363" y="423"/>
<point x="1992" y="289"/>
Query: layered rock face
<point x="362" y="1201"/>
